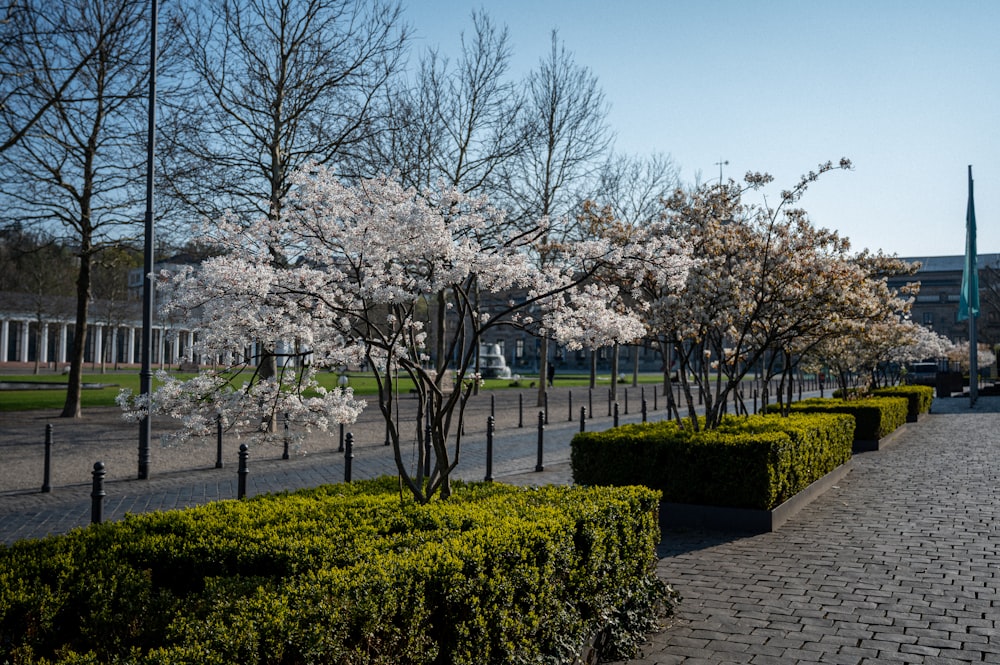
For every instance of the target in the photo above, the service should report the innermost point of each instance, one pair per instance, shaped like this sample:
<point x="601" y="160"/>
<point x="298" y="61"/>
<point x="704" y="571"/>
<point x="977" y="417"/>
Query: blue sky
<point x="909" y="90"/>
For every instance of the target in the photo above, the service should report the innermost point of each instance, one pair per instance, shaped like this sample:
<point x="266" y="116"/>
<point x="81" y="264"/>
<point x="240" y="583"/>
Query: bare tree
<point x="458" y="122"/>
<point x="276" y="85"/>
<point x="568" y="138"/>
<point x="79" y="165"/>
<point x="27" y="30"/>
<point x="37" y="273"/>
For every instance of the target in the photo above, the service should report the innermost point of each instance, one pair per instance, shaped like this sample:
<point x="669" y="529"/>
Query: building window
<point x="928" y="318"/>
<point x="519" y="348"/>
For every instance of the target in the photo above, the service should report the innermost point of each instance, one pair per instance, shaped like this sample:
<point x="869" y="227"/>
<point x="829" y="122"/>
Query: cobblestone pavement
<point x="900" y="563"/>
<point x="185" y="475"/>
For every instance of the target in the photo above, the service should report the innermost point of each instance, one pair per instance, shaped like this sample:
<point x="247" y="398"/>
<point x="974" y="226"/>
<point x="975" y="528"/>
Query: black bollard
<point x="520" y="410"/>
<point x="616" y="415"/>
<point x="541" y="440"/>
<point x="97" y="494"/>
<point x="626" y="401"/>
<point x="47" y="477"/>
<point x="583" y="418"/>
<point x="609" y="402"/>
<point x="340" y="448"/>
<point x="218" y="442"/>
<point x="570" y="406"/>
<point x="242" y="471"/>
<point x="654" y="399"/>
<point x="490" y="424"/>
<point x="644" y="412"/>
<point x="284" y="455"/>
<point x="348" y="456"/>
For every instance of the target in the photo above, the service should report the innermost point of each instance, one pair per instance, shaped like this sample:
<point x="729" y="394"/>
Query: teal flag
<point x="968" y="303"/>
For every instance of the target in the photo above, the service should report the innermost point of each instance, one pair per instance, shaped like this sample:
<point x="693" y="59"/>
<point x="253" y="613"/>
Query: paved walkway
<point x="185" y="475"/>
<point x="900" y="563"/>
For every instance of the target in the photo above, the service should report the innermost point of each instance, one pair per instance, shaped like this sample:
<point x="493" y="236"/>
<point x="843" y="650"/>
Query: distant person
<point x="552" y="373"/>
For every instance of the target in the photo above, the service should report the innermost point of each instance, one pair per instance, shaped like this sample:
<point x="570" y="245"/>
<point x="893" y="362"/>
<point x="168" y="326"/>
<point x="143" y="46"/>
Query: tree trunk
<point x="543" y="368"/>
<point x="614" y="372"/>
<point x="71" y="409"/>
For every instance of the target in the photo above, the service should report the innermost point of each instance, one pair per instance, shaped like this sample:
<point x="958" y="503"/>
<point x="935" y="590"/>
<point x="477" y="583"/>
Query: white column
<point x="63" y="343"/>
<point x="43" y="347"/>
<point x="98" y="344"/>
<point x="130" y="353"/>
<point x="25" y="326"/>
<point x="114" y="345"/>
<point x="159" y="347"/>
<point x="4" y="339"/>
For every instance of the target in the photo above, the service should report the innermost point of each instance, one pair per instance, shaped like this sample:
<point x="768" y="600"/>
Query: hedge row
<point x="918" y="398"/>
<point x="343" y="574"/>
<point x="756" y="462"/>
<point x="875" y="417"/>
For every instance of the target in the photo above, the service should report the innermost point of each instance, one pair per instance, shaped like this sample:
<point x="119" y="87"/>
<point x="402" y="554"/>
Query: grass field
<point x="363" y="384"/>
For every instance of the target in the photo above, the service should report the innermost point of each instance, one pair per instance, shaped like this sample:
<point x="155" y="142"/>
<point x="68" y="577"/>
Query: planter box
<point x="722" y="518"/>
<point x="869" y="445"/>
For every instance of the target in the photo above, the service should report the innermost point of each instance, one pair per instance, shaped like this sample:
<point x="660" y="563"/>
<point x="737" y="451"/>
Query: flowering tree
<point x="870" y="352"/>
<point x="372" y="269"/>
<point x="768" y="286"/>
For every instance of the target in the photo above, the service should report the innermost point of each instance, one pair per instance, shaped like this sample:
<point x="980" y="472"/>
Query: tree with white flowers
<point x="360" y="276"/>
<point x="767" y="287"/>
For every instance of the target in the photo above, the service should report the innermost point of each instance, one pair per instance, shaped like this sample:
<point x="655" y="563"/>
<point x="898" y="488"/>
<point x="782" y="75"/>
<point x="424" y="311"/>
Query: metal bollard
<point x="616" y="415"/>
<point x="541" y="440"/>
<point x="570" y="406"/>
<point x="47" y="477"/>
<point x="97" y="494"/>
<point x="340" y="448"/>
<point x="218" y="442"/>
<point x="644" y="412"/>
<point x="520" y="409"/>
<point x="284" y="455"/>
<point x="490" y="424"/>
<point x="654" y="399"/>
<point x="583" y="418"/>
<point x="626" y="401"/>
<point x="348" y="456"/>
<point x="242" y="471"/>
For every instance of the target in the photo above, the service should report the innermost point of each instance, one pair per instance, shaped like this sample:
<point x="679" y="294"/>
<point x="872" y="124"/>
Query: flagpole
<point x="968" y="307"/>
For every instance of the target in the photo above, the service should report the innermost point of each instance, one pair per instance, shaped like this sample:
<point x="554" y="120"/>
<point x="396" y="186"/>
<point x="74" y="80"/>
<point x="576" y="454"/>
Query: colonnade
<point x="112" y="344"/>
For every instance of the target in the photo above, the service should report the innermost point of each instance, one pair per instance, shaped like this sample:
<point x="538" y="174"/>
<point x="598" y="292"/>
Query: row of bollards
<point x="346" y="446"/>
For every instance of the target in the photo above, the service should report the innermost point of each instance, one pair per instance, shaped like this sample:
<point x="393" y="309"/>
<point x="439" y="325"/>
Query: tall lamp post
<point x="720" y="164"/>
<point x="146" y="372"/>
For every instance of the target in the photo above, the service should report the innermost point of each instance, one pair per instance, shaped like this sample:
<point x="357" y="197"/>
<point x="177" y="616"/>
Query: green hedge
<point x="343" y="574"/>
<point x="918" y="398"/>
<point x="875" y="417"/>
<point x="755" y="462"/>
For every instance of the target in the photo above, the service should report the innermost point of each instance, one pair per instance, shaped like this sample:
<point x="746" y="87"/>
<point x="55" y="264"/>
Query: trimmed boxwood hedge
<point x="343" y="574"/>
<point x="918" y="398"/>
<point x="755" y="462"/>
<point x="875" y="417"/>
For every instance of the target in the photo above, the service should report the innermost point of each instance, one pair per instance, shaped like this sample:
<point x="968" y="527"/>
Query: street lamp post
<point x="145" y="372"/>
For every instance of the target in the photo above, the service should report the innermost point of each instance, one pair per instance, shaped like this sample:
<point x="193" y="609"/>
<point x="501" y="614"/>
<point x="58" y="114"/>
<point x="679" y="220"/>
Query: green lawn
<point x="363" y="384"/>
